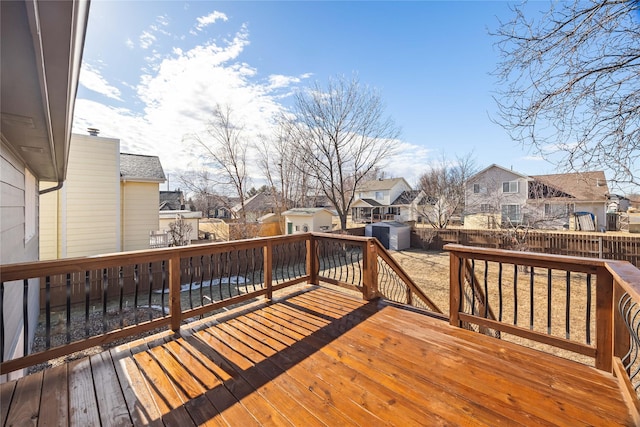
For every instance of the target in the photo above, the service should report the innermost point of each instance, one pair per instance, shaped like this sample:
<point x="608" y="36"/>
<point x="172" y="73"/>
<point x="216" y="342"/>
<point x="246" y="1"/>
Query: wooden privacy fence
<point x="605" y="246"/>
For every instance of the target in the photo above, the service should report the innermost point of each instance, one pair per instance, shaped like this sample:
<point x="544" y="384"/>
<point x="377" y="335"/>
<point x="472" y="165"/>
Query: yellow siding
<point x="48" y="224"/>
<point x="91" y="197"/>
<point x="140" y="202"/>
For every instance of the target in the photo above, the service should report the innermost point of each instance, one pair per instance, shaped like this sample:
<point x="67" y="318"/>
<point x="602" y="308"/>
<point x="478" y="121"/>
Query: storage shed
<point x="303" y="220"/>
<point x="393" y="235"/>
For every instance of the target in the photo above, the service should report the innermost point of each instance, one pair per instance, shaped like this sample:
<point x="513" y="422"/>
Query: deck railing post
<point x="312" y="260"/>
<point x="268" y="269"/>
<point x="621" y="336"/>
<point x="175" y="308"/>
<point x="455" y="262"/>
<point x="604" y="320"/>
<point x="370" y="265"/>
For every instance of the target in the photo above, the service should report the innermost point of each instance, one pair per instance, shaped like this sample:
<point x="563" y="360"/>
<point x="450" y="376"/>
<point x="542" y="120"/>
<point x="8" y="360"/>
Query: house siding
<point x="83" y="217"/>
<point x="139" y="214"/>
<point x="13" y="249"/>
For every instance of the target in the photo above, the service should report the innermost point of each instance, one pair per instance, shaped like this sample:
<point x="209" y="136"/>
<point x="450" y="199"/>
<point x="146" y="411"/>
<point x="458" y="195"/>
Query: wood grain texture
<point x="322" y="358"/>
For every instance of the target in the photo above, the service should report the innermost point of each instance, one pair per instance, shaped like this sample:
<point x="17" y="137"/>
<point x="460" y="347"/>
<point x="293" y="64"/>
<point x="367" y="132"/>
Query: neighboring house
<point x="172" y="200"/>
<point x="374" y="200"/>
<point x="108" y="204"/>
<point x="544" y="201"/>
<point x="256" y="206"/>
<point x="41" y="45"/>
<point x="303" y="220"/>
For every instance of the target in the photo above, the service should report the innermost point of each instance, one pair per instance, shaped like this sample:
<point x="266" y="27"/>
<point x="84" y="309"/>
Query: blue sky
<point x="152" y="70"/>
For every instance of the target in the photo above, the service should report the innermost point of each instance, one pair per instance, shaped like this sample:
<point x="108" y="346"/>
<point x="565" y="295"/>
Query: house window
<point x="510" y="187"/>
<point x="511" y="212"/>
<point x="379" y="195"/>
<point x="476" y="188"/>
<point x="297" y="228"/>
<point x="486" y="207"/>
<point x="30" y="211"/>
<point x="394" y="210"/>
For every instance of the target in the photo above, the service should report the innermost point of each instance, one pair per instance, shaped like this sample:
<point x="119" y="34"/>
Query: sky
<point x="153" y="71"/>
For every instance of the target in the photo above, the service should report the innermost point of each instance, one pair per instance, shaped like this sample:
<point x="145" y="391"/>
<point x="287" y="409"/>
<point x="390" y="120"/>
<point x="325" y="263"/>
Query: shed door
<point x="289" y="228"/>
<point x="382" y="234"/>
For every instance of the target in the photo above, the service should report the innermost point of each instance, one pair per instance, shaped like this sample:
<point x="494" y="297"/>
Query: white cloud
<point x="92" y="79"/>
<point x="129" y="43"/>
<point x="147" y="39"/>
<point x="178" y="91"/>
<point x="210" y="19"/>
<point x="409" y="162"/>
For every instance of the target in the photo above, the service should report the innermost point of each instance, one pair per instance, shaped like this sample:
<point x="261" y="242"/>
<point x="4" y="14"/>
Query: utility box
<point x="393" y="235"/>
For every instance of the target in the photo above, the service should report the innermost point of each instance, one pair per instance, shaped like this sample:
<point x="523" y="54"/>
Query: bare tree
<point x="225" y="150"/>
<point x="179" y="232"/>
<point x="569" y="80"/>
<point x="344" y="135"/>
<point x="443" y="188"/>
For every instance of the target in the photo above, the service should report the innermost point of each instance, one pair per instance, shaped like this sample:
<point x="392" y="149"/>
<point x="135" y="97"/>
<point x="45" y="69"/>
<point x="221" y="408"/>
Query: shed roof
<point x="140" y="167"/>
<point x="305" y="211"/>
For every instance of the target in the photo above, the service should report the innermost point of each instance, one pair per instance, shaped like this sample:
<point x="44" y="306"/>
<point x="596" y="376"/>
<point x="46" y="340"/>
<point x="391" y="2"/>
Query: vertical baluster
<point x="190" y="282"/>
<point x="163" y="277"/>
<point x="531" y="297"/>
<point x="462" y="264"/>
<point x="68" y="300"/>
<point x="211" y="272"/>
<point x="242" y="273"/>
<point x="25" y="316"/>
<point x="201" y="281"/>
<point x="136" y="283"/>
<point x="515" y="294"/>
<point x="105" y="297"/>
<point x="219" y="269"/>
<point x="227" y="267"/>
<point x="472" y="279"/>
<point x="549" y="299"/>
<point x="567" y="321"/>
<point x="500" y="292"/>
<point x="47" y="311"/>
<point x="4" y="334"/>
<point x="121" y="290"/>
<point x="150" y="268"/>
<point x="486" y="290"/>
<point x="588" y="314"/>
<point x="87" y="302"/>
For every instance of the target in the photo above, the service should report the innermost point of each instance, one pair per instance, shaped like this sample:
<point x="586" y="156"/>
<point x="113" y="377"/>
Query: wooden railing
<point x="85" y="302"/>
<point x="586" y="306"/>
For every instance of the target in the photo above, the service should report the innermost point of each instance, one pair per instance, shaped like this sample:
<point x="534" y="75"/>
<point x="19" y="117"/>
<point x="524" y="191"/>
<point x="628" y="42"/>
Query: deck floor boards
<point x="318" y="358"/>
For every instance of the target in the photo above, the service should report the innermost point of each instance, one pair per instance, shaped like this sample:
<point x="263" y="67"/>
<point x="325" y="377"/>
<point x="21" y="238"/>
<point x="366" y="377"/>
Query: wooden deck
<point x="318" y="358"/>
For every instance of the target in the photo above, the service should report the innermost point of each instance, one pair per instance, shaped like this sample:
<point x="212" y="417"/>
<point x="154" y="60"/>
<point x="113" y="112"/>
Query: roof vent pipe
<point x="93" y="131"/>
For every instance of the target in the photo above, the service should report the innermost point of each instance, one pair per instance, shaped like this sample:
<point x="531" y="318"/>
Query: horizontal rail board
<point x="558" y="342"/>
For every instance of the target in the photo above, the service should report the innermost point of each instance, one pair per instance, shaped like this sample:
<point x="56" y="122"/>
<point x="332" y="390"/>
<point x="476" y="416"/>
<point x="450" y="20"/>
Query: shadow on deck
<point x="318" y="357"/>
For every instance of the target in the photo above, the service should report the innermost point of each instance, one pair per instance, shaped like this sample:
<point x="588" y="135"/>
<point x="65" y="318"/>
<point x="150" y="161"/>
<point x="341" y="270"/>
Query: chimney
<point x="93" y="131"/>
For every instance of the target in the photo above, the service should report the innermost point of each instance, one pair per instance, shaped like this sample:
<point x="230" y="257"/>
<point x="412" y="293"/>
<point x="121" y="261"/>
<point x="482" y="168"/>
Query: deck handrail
<point x="176" y="284"/>
<point x="617" y="303"/>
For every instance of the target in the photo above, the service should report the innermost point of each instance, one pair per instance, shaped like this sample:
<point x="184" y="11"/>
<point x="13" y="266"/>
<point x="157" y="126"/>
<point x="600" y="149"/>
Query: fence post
<point x="604" y="320"/>
<point x="268" y="268"/>
<point x="370" y="265"/>
<point x="454" y="288"/>
<point x="312" y="260"/>
<point x="175" y="309"/>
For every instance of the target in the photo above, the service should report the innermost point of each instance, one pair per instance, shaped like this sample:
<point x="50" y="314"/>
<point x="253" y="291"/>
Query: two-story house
<point x="375" y="201"/>
<point x="497" y="195"/>
<point x="109" y="202"/>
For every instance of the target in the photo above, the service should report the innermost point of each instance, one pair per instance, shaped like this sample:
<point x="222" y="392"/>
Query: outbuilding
<point x="303" y="220"/>
<point x="392" y="234"/>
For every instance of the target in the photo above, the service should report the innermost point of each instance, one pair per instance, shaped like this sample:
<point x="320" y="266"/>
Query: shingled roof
<point x="139" y="167"/>
<point x="590" y="186"/>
